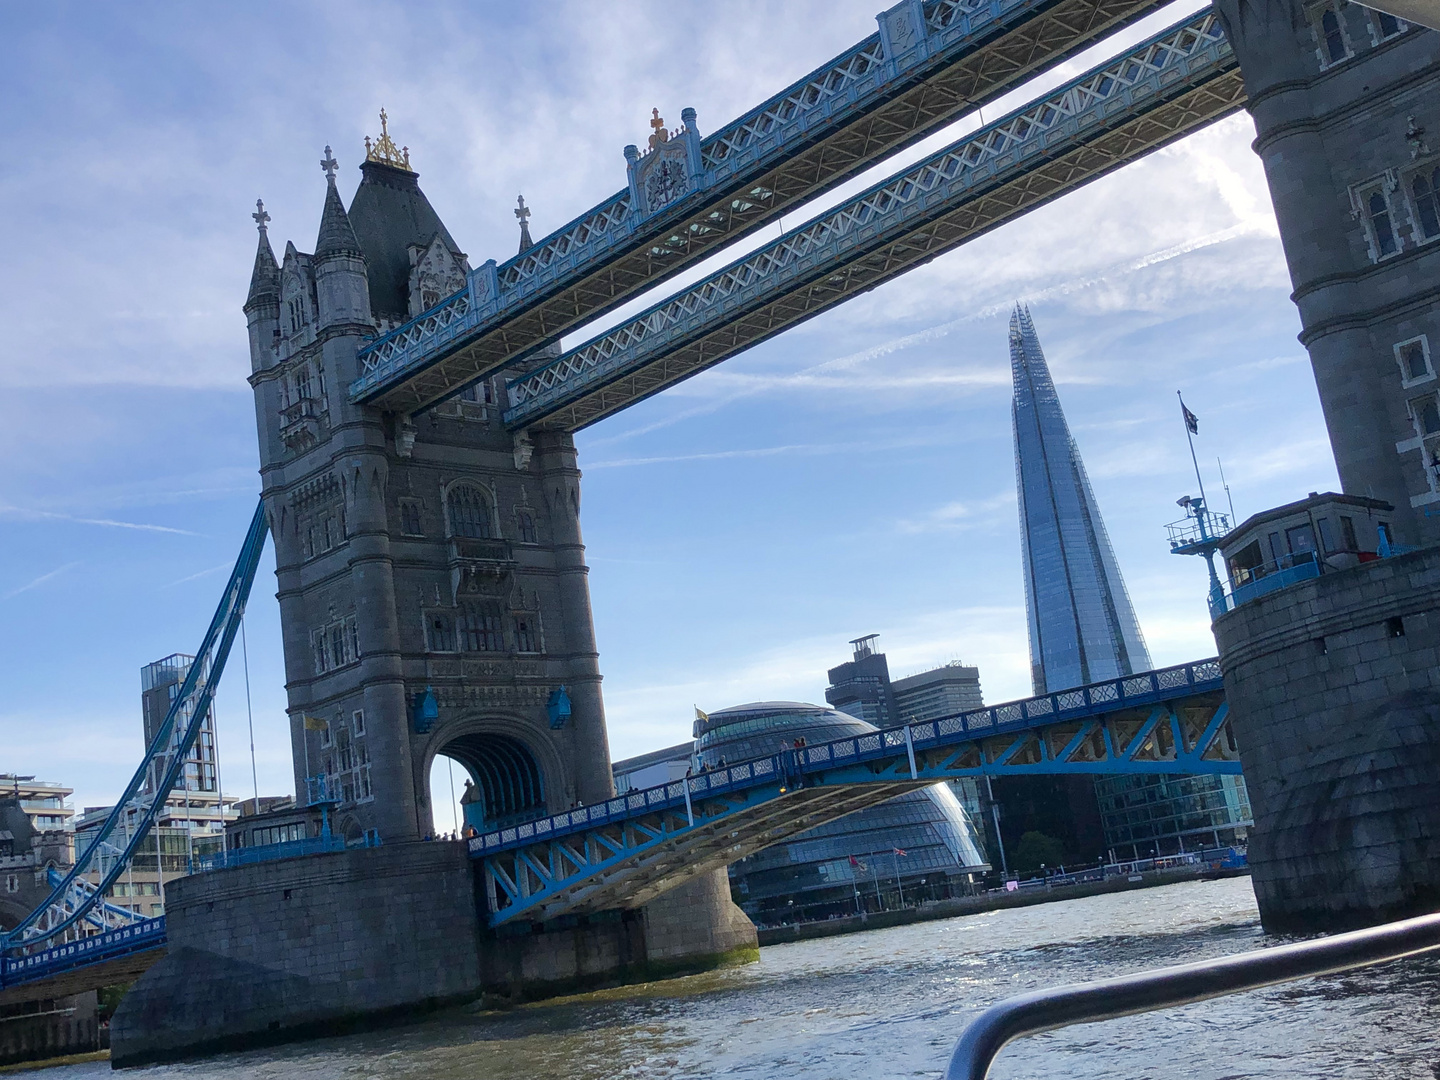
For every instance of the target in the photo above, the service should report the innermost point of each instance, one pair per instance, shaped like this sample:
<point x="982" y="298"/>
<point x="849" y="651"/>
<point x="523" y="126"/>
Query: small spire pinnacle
<point x="328" y="164"/>
<point x="383" y="149"/>
<point x="260" y="216"/>
<point x="522" y="213"/>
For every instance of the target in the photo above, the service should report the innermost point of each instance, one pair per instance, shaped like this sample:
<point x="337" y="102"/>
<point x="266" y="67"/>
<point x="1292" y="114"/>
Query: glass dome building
<point x="851" y="864"/>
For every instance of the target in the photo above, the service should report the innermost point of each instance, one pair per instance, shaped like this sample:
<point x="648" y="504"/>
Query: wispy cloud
<point x="961" y="515"/>
<point x="20" y="513"/>
<point x="198" y="574"/>
<point x="759" y="452"/>
<point x="35" y="583"/>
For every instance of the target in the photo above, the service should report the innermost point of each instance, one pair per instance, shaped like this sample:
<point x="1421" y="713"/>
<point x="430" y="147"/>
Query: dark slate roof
<point x="389" y="213"/>
<point x="265" y="278"/>
<point x="336" y="236"/>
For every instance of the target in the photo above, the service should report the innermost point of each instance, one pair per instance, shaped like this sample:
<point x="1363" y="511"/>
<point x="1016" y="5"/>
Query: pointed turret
<point x="341" y="286"/>
<point x="336" y="236"/>
<point x="392" y="219"/>
<point x="265" y="278"/>
<point x="262" y="305"/>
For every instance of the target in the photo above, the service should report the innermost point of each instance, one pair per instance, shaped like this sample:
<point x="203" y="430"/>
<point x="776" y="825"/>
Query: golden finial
<point x="383" y="149"/>
<point x="659" y="134"/>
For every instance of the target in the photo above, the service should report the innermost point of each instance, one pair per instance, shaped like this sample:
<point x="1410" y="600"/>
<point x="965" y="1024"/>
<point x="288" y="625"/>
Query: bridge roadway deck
<point x="1157" y="92"/>
<point x="630" y="849"/>
<point x="881" y="95"/>
<point x="118" y="956"/>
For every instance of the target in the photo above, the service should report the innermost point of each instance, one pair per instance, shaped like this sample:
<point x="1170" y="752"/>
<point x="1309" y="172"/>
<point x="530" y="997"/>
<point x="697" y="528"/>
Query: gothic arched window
<point x="1380" y="221"/>
<point x="526" y="521"/>
<point x="479" y="628"/>
<point x="1426" y="190"/>
<point x="1334" y="37"/>
<point x="469" y="511"/>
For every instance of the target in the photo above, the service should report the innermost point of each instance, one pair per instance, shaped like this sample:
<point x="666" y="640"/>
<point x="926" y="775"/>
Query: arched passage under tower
<point x="496" y="780"/>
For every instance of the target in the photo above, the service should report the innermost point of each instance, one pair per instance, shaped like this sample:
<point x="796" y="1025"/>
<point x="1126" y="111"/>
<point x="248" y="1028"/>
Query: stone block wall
<point x="298" y="945"/>
<point x="309" y="946"/>
<point x="1334" y="691"/>
<point x="54" y="1027"/>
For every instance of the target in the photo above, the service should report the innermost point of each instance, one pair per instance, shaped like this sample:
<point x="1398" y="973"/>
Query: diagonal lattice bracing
<point x="630" y="849"/>
<point x="865" y="105"/>
<point x="1157" y="92"/>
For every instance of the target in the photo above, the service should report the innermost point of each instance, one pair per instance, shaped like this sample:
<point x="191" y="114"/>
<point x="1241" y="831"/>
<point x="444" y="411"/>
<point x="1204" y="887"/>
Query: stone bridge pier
<point x="1332" y="682"/>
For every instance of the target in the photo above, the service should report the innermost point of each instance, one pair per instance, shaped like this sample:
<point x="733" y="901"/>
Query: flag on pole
<point x="856" y="863"/>
<point x="1192" y="422"/>
<point x="702" y="717"/>
<point x="899" y="851"/>
<point x="314" y="723"/>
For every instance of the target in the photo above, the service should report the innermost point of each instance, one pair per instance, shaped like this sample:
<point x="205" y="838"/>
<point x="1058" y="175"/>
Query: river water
<point x="891" y="1003"/>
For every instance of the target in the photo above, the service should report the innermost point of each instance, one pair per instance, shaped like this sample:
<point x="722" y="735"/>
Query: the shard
<point x="1082" y="627"/>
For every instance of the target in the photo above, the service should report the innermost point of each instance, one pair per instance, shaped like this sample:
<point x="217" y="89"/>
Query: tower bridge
<point x="420" y="483"/>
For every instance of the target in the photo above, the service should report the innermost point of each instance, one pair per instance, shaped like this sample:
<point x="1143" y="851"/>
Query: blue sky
<point x="853" y="476"/>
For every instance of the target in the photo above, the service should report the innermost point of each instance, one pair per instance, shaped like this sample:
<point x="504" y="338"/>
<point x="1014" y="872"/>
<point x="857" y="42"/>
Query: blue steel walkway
<point x="628" y="850"/>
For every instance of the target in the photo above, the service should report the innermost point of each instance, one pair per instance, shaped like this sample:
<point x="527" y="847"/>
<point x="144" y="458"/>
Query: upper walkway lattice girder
<point x="846" y="252"/>
<point x="967" y="63"/>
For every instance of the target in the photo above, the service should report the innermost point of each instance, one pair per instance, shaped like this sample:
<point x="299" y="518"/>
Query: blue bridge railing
<point x="1148" y="688"/>
<point x="146" y="934"/>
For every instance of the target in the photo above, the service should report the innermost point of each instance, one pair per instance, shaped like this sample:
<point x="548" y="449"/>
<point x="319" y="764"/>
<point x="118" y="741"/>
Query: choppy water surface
<point x="891" y="1003"/>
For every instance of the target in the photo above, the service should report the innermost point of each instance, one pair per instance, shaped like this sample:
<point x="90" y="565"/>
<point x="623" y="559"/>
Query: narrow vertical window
<point x="1334" y="39"/>
<point x="469" y="513"/>
<point x="527" y="526"/>
<point x="1389" y="24"/>
<point x="1426" y="190"/>
<point x="1427" y="415"/>
<point x="1413" y="363"/>
<point x="1380" y="222"/>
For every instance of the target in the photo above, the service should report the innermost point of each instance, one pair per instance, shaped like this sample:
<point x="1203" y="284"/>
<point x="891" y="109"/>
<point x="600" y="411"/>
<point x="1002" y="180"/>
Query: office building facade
<point x="1082" y="626"/>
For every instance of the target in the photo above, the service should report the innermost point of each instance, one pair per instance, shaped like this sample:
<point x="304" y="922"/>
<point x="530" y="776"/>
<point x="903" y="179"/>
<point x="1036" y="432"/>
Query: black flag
<point x="1192" y="422"/>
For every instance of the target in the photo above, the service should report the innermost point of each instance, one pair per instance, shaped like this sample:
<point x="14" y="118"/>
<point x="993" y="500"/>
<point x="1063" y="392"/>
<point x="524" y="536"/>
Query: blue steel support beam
<point x="1159" y="91"/>
<point x="71" y="902"/>
<point x="931" y="61"/>
<point x="630" y="849"/>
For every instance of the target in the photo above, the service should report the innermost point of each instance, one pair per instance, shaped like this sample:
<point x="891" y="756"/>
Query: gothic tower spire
<point x="342" y="288"/>
<point x="265" y="278"/>
<point x="1082" y="627"/>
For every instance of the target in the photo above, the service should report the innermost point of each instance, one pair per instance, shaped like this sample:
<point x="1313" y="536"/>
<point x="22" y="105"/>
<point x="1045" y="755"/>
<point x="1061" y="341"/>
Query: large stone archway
<point x="516" y="772"/>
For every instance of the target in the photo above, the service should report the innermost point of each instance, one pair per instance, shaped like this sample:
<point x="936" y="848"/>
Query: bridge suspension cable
<point x="73" y="899"/>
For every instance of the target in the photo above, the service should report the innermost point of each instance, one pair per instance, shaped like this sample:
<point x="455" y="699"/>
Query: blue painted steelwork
<point x="291" y="849"/>
<point x="1190" y="53"/>
<point x="141" y="801"/>
<point x="96" y="949"/>
<point x="626" y="850"/>
<point x="916" y="41"/>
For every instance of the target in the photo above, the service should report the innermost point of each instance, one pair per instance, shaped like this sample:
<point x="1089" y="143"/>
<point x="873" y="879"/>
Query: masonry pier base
<point x="323" y="944"/>
<point x="1334" y="693"/>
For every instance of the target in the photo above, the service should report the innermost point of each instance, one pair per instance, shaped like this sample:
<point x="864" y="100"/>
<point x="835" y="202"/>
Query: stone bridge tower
<point x="431" y="573"/>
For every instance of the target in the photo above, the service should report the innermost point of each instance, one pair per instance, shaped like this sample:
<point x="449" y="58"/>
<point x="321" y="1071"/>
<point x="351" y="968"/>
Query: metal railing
<point x="1086" y="1003"/>
<point x="1144" y="688"/>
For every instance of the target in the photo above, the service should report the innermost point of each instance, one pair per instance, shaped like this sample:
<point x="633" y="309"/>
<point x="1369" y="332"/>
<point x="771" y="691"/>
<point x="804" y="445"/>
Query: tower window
<point x="441" y="634"/>
<point x="479" y="628"/>
<point x="525" y="639"/>
<point x="1425" y="187"/>
<point x="1413" y="357"/>
<point x="1380" y="223"/>
<point x="469" y="513"/>
<point x="1386" y="24"/>
<point x="1332" y="36"/>
<point x="526" y="521"/>
<point x="1426" y="414"/>
<point x="410" y="517"/>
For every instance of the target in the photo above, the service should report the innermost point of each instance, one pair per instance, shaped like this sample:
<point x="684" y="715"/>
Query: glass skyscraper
<point x="1082" y="627"/>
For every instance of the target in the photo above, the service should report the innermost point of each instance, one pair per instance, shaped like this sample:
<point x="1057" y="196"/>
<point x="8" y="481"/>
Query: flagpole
<point x="1190" y="438"/>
